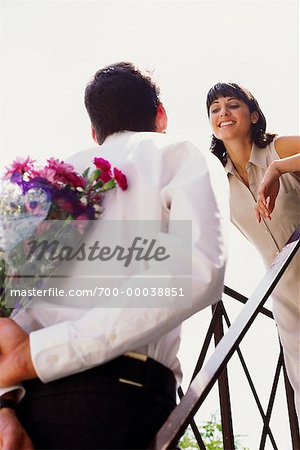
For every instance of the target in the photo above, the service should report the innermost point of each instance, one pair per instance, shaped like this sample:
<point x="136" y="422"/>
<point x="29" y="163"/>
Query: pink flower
<point x="105" y="177"/>
<point x="105" y="167"/>
<point x="61" y="172"/>
<point x="60" y="166"/>
<point x="74" y="180"/>
<point x="102" y="164"/>
<point x="120" y="179"/>
<point x="21" y="166"/>
<point x="47" y="173"/>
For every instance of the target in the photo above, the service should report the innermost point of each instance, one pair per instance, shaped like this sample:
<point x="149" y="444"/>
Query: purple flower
<point x="39" y="183"/>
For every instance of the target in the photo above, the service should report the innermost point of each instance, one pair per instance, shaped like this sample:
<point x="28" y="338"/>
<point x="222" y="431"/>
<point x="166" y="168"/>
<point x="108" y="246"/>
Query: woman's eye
<point x="214" y="110"/>
<point x="234" y="106"/>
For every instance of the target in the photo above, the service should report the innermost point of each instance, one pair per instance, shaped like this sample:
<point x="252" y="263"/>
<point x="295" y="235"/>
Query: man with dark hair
<point x="105" y="376"/>
<point x="121" y="97"/>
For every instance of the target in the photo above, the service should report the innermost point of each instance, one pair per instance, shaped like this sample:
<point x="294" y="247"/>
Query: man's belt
<point x="140" y="371"/>
<point x="131" y="368"/>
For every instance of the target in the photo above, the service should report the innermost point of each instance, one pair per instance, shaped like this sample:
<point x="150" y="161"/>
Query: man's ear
<point x="161" y="119"/>
<point x="94" y="135"/>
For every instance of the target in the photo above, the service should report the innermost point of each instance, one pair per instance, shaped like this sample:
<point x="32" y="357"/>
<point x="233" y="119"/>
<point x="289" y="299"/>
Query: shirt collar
<point x="229" y="168"/>
<point x="257" y="157"/>
<point x="118" y="135"/>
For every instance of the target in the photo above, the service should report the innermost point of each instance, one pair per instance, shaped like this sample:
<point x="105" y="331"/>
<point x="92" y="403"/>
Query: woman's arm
<point x="287" y="146"/>
<point x="269" y="187"/>
<point x="285" y="165"/>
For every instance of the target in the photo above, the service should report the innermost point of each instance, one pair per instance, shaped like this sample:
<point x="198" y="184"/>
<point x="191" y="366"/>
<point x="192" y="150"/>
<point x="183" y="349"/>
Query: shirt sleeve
<point x="197" y="191"/>
<point x="20" y="391"/>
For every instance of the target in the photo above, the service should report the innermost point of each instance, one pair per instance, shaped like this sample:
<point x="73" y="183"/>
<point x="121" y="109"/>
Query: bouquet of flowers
<point x="31" y="195"/>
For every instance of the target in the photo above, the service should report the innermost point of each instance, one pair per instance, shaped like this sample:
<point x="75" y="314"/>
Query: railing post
<point x="265" y="433"/>
<point x="224" y="395"/>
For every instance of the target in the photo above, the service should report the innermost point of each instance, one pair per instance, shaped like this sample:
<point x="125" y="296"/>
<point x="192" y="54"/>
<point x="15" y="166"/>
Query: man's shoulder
<point x="159" y="139"/>
<point x="163" y="144"/>
<point x="136" y="146"/>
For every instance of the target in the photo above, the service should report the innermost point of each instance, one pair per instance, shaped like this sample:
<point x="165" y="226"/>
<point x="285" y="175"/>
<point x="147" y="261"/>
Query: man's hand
<point x="12" y="434"/>
<point x="15" y="359"/>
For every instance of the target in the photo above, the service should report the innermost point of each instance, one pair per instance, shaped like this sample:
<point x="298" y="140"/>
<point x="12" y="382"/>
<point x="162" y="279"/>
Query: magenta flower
<point x="120" y="179"/>
<point x="75" y="180"/>
<point x="60" y="167"/>
<point x="105" y="167"/>
<point x="21" y="166"/>
<point x="105" y="177"/>
<point x="61" y="172"/>
<point x="102" y="164"/>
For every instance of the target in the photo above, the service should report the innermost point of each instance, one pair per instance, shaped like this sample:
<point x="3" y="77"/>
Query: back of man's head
<point x="121" y="97"/>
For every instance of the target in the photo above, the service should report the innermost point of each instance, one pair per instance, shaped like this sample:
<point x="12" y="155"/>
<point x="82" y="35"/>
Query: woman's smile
<point x="227" y="123"/>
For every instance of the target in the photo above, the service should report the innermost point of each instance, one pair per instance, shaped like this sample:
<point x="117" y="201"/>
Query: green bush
<point x="211" y="433"/>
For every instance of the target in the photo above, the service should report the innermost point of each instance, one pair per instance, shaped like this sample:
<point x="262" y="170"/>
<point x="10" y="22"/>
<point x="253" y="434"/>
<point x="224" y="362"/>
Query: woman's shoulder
<point x="287" y="145"/>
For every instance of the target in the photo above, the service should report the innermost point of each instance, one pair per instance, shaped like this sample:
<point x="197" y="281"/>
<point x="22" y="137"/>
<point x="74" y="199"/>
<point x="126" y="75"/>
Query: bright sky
<point x="49" y="51"/>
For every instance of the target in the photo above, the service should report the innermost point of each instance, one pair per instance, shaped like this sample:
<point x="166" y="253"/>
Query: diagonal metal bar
<point x="271" y="403"/>
<point x="199" y="364"/>
<point x="218" y="310"/>
<point x="252" y="387"/>
<point x="199" y="388"/>
<point x="208" y="338"/>
<point x="216" y="315"/>
<point x="242" y="299"/>
<point x="193" y="426"/>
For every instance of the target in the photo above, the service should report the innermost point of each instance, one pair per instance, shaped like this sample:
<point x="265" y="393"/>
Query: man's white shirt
<point x="168" y="180"/>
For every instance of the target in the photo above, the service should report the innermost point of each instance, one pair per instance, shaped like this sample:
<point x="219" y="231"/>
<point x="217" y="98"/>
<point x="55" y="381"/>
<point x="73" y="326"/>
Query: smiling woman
<point x="233" y="107"/>
<point x="241" y="143"/>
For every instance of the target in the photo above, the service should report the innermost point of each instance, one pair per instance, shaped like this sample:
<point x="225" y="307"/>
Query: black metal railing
<point x="215" y="369"/>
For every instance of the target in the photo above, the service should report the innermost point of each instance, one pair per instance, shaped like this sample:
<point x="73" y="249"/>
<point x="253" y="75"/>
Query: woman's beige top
<point x="268" y="236"/>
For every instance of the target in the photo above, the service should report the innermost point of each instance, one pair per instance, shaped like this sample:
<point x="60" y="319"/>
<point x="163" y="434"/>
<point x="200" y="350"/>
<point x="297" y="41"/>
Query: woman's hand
<point x="267" y="192"/>
<point x="12" y="434"/>
<point x="269" y="186"/>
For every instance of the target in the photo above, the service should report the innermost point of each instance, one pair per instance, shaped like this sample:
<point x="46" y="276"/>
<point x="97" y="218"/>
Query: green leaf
<point x="85" y="174"/>
<point x="109" y="185"/>
<point x="99" y="184"/>
<point x="95" y="175"/>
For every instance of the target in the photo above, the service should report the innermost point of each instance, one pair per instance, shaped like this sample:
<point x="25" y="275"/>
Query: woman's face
<point x="230" y="118"/>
